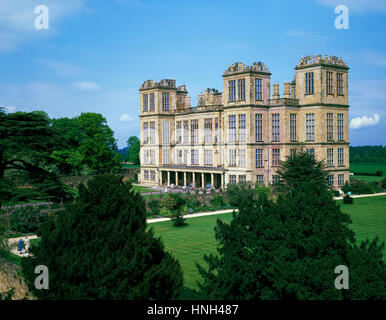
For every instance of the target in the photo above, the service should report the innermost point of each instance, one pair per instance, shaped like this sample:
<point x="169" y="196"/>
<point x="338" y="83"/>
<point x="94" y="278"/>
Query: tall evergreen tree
<point x="288" y="248"/>
<point x="99" y="248"/>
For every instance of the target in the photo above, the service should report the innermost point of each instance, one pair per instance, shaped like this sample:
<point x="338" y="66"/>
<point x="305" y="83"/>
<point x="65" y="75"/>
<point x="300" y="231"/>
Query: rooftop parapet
<point x="164" y="83"/>
<point x="239" y="67"/>
<point x="318" y="60"/>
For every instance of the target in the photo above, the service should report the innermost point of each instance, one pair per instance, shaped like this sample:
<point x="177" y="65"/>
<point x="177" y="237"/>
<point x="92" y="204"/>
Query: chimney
<point x="275" y="94"/>
<point x="287" y="92"/>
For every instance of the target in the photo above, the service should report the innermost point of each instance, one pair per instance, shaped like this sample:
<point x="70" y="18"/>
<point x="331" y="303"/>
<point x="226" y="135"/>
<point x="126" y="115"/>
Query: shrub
<point x="335" y="193"/>
<point x="26" y="219"/>
<point x="178" y="219"/>
<point x="360" y="187"/>
<point x="348" y="200"/>
<point x="165" y="212"/>
<point x="383" y="183"/>
<point x="217" y="201"/>
<point x="153" y="206"/>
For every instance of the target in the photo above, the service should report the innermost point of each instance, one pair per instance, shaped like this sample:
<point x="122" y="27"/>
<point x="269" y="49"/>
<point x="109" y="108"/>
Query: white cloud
<point x="9" y="109"/>
<point x="126" y="118"/>
<point x="17" y="20"/>
<point x="358" y="6"/>
<point x="364" y="121"/>
<point x="85" y="85"/>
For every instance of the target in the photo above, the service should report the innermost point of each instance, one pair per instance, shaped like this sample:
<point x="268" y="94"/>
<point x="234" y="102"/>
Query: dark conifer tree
<point x="288" y="248"/>
<point x="100" y="248"/>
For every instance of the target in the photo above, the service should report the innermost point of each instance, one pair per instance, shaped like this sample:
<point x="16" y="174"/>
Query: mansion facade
<point x="242" y="133"/>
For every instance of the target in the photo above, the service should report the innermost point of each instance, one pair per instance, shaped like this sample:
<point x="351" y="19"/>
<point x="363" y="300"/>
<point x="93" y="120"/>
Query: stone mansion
<point x="242" y="133"/>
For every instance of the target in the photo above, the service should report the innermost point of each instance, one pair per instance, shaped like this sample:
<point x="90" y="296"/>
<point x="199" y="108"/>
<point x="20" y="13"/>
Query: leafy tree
<point x="289" y="248"/>
<point x="132" y="154"/>
<point x="99" y="248"/>
<point x="88" y="145"/>
<point x="26" y="142"/>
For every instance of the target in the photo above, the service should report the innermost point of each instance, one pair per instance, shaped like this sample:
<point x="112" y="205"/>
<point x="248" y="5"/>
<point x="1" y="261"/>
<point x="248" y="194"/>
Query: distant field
<point x="142" y="189"/>
<point x="368" y="167"/>
<point x="369" y="218"/>
<point x="124" y="165"/>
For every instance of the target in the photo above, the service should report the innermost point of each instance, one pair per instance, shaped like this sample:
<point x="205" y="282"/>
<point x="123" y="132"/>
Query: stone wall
<point x="9" y="278"/>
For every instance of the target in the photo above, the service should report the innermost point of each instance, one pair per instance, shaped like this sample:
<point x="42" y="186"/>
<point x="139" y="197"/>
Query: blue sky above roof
<point x="96" y="54"/>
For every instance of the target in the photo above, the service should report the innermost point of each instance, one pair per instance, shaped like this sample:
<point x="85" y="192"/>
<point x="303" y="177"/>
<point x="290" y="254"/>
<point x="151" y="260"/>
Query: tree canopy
<point x="88" y="145"/>
<point x="289" y="247"/>
<point x="100" y="248"/>
<point x="26" y="143"/>
<point x="132" y="155"/>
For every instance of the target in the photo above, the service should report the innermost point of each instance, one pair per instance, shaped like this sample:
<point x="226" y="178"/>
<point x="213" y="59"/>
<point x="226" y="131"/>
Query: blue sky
<point x="97" y="53"/>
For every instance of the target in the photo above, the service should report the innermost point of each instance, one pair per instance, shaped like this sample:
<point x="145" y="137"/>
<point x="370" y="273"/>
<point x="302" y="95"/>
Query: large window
<point x="165" y="101"/>
<point x="146" y="157"/>
<point x="339" y="84"/>
<point x="208" y="161"/>
<point x="178" y="156"/>
<point x="275" y="127"/>
<point x="330" y="126"/>
<point x="216" y="140"/>
<point x="194" y="131"/>
<point x="146" y="174"/>
<point x="242" y="160"/>
<point x="329" y="83"/>
<point x="309" y="83"/>
<point x="340" y="126"/>
<point x="152" y="132"/>
<point x="241" y="89"/>
<point x="178" y="132"/>
<point x="208" y="130"/>
<point x="242" y="178"/>
<point x="340" y="157"/>
<point x="242" y="128"/>
<point x="186" y="131"/>
<point x="145" y="132"/>
<point x="330" y="180"/>
<point x="330" y="157"/>
<point x="152" y="156"/>
<point x="186" y="157"/>
<point x="260" y="180"/>
<point x="145" y="102"/>
<point x="310" y="127"/>
<point x="275" y="157"/>
<point x="259" y="127"/>
<point x="293" y="126"/>
<point x="152" y="175"/>
<point x="194" y="156"/>
<point x="259" y="158"/>
<point x="340" y="180"/>
<point x="232" y="128"/>
<point x="311" y="151"/>
<point x="232" y="157"/>
<point x="258" y="89"/>
<point x="165" y="132"/>
<point x="151" y="106"/>
<point x="232" y="90"/>
<point x="232" y="178"/>
<point x="166" y="156"/>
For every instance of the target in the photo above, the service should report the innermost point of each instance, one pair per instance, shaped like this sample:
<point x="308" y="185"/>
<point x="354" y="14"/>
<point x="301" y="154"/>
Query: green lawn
<point x="190" y="243"/>
<point x="369" y="218"/>
<point x="368" y="167"/>
<point x="142" y="189"/>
